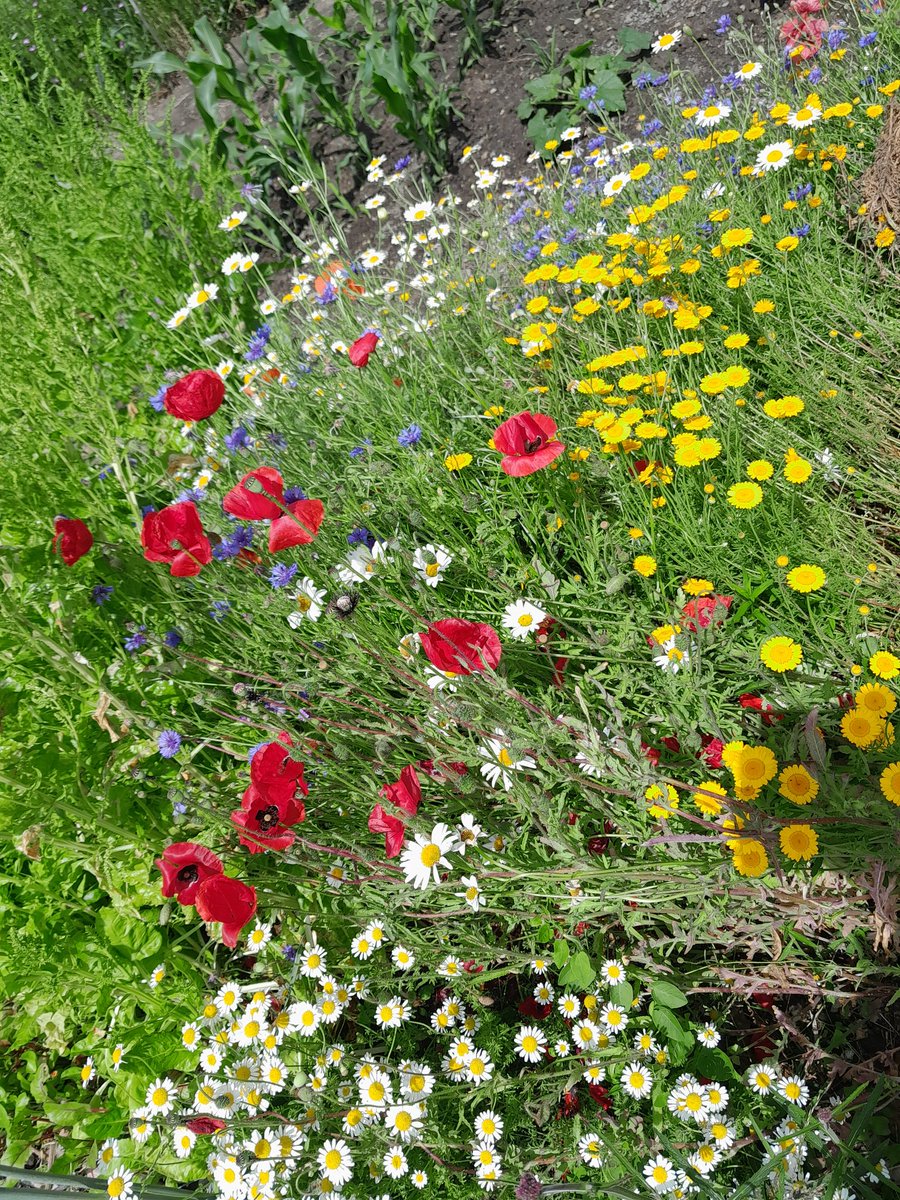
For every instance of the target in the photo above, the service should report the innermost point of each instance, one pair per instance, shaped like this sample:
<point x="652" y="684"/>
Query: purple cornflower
<point x="240" y="538"/>
<point x="195" y="494"/>
<point x="101" y="592"/>
<point x="293" y="493"/>
<point x="531" y="253"/>
<point x="173" y="638"/>
<point x="137" y="639"/>
<point x="276" y="441"/>
<point x="289" y="952"/>
<point x="588" y="92"/>
<point x="409" y="436"/>
<point x="220" y="610"/>
<point x="723" y="24"/>
<point x="652" y="127"/>
<point x="359" y="451"/>
<point x="282" y="574"/>
<point x="361" y="535"/>
<point x="645" y="79"/>
<point x="867" y="39"/>
<point x="168" y="743"/>
<point x="328" y="294"/>
<point x="800" y="193"/>
<point x="238" y="439"/>
<point x="801" y="231"/>
<point x="815" y="75"/>
<point x="256" y="347"/>
<point x="835" y="38"/>
<point x="156" y="400"/>
<point x="597" y="142"/>
<point x="402" y="163"/>
<point x="178" y="808"/>
<point x="251" y="192"/>
<point x="661" y="79"/>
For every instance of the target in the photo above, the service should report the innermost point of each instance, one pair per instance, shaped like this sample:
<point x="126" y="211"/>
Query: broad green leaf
<point x="667" y="994"/>
<point x="577" y="973"/>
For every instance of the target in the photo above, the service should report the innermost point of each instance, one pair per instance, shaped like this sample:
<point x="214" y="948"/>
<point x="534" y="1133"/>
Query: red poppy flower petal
<point x="257" y="505"/>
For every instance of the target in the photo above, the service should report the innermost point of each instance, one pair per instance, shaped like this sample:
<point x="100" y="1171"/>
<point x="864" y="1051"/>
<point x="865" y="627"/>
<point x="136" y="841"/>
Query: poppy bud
<point x="196" y="396"/>
<point x="362" y="348"/>
<point x="71" y="539"/>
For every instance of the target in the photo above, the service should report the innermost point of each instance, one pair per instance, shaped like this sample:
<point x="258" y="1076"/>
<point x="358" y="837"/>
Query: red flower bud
<point x="71" y="539"/>
<point x="196" y="396"/>
<point x="362" y="348"/>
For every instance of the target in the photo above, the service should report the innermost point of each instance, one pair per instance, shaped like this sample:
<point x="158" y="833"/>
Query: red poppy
<point x="454" y="644"/>
<point x="71" y="539"/>
<point x="233" y="903"/>
<point x="440" y="770"/>
<point x="270" y="806"/>
<point x="529" y="1007"/>
<point x="184" y="867"/>
<point x="406" y="793"/>
<point x="299" y="529"/>
<point x="362" y="349"/>
<point x="527" y="442"/>
<point x="392" y="827"/>
<point x="196" y="396"/>
<point x="763" y="707"/>
<point x="204" y="1125"/>
<point x="258" y="503"/>
<point x="175" y="535"/>
<point x="704" y="611"/>
<point x="339" y="269"/>
<point x="711" y="751"/>
<point x="569" y="1105"/>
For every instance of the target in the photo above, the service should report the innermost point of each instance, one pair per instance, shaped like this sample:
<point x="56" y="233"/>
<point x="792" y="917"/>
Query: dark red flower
<point x="392" y="828"/>
<point x="259" y="503"/>
<point x="299" y="529"/>
<point x="184" y="866"/>
<point x="204" y="1125"/>
<point x="711" y="751"/>
<point x="548" y="629"/>
<point x="763" y="707"/>
<point x="671" y="743"/>
<point x="175" y="535"/>
<point x="406" y="793"/>
<point x="362" y="348"/>
<point x="600" y="1096"/>
<point x="233" y="903"/>
<point x="703" y="611"/>
<point x="600" y="843"/>
<point x="527" y="443"/>
<point x="71" y="539"/>
<point x="651" y="753"/>
<point x="460" y="646"/>
<point x="196" y="396"/>
<point x="529" y="1007"/>
<point x="440" y="770"/>
<point x="569" y="1105"/>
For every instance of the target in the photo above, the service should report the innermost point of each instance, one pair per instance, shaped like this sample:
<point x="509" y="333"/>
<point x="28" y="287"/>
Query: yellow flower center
<point x="159" y="1097"/>
<point x="333" y="1160"/>
<point x="504" y="757"/>
<point x="430" y="854"/>
<point x="525" y="620"/>
<point x="529" y="1044"/>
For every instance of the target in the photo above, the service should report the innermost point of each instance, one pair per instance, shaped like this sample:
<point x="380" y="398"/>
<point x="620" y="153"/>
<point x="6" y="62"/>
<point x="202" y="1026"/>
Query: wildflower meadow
<point x="449" y="652"/>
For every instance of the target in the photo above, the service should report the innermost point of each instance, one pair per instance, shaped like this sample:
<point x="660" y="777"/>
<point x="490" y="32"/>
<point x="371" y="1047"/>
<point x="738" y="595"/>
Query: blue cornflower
<point x="410" y="435"/>
<point x="596" y="143"/>
<point x="402" y="163"/>
<point x="800" y="193"/>
<point x="156" y="401"/>
<point x="835" y="38"/>
<point x="282" y="574"/>
<point x="531" y="253"/>
<point x="137" y="639"/>
<point x="815" y="75"/>
<point x="328" y="294"/>
<point x="359" y="451"/>
<point x="361" y="535"/>
<point x="661" y="79"/>
<point x="723" y="24"/>
<point x="588" y="92"/>
<point x="652" y="127"/>
<point x="293" y="493"/>
<point x="569" y="205"/>
<point x="173" y="638"/>
<point x="251" y="192"/>
<point x="256" y="347"/>
<point x="517" y="216"/>
<point x="276" y="441"/>
<point x="645" y="79"/>
<point x="105" y="472"/>
<point x="542" y="234"/>
<point x="289" y="952"/>
<point x="195" y="494"/>
<point x="168" y="743"/>
<point x="571" y="235"/>
<point x="801" y="231"/>
<point x="238" y="439"/>
<point x="219" y="610"/>
<point x="178" y="807"/>
<point x="147" y="508"/>
<point x="101" y="592"/>
<point x="867" y="39"/>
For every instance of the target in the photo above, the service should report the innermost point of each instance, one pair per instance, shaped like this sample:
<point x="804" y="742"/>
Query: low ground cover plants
<point x="450" y="699"/>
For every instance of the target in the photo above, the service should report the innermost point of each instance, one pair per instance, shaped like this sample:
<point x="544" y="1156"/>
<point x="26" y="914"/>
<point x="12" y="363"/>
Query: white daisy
<point x="591" y="1150"/>
<point x="709" y="1036"/>
<point x="235" y="218"/>
<point x="712" y="114"/>
<point x="431" y="562"/>
<point x="394" y="1162"/>
<point x="762" y="1080"/>
<point x="792" y="1088"/>
<point x="471" y="893"/>
<point x="749" y="70"/>
<point x="660" y="1174"/>
<point x="500" y="762"/>
<point x="530" y="1043"/>
<point x="636" y="1080"/>
<point x="615" y="184"/>
<point x="521" y="618"/>
<point x="467" y="833"/>
<point x="183" y="1140"/>
<point x="421" y="861"/>
<point x="335" y="1162"/>
<point x="402" y="958"/>
<point x="160" y="1097"/>
<point x="774" y="156"/>
<point x="259" y="936"/>
<point x="488" y="1126"/>
<point x="804" y="117"/>
<point x="404" y="1121"/>
<point x="201" y="295"/>
<point x="178" y="318"/>
<point x="231" y="264"/>
<point x="419" y="212"/>
<point x="671" y="658"/>
<point x="666" y="41"/>
<point x="479" y="1068"/>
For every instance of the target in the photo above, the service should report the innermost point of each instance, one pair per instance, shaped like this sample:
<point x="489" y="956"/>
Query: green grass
<point x="105" y="237"/>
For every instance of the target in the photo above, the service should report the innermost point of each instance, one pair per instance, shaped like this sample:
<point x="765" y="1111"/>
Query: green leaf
<point x="545" y="87"/>
<point x="544" y="932"/>
<point x="667" y="994"/>
<point x="632" y="40"/>
<point x="578" y="972"/>
<point x="713" y="1064"/>
<point x="622" y="994"/>
<point x="666" y="1022"/>
<point x="139" y="939"/>
<point x="560" y="954"/>
<point x="610" y="89"/>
